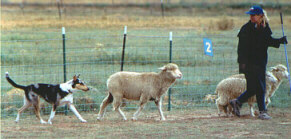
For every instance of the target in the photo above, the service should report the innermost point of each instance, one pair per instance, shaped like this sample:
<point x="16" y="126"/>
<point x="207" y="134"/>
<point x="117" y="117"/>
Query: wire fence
<point x="37" y="57"/>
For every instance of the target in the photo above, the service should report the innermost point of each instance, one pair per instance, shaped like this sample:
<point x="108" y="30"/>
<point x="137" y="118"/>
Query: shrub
<point x="225" y="24"/>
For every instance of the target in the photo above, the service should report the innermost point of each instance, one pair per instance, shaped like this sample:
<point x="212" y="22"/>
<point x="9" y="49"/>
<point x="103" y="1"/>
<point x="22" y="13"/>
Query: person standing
<point x="254" y="40"/>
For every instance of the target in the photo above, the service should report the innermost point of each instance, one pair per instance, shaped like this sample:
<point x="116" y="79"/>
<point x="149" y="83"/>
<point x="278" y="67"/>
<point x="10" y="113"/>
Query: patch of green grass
<point x="97" y="57"/>
<point x="32" y="52"/>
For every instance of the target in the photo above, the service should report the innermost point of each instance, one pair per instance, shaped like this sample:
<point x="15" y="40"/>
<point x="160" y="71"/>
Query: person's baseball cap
<point x="255" y="10"/>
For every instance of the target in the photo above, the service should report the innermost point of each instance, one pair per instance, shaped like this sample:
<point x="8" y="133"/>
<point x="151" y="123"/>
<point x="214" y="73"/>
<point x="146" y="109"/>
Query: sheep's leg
<point x="218" y="109"/>
<point x="121" y="113"/>
<point x="268" y="101"/>
<point x="107" y="100"/>
<point x="136" y="114"/>
<point x="221" y="108"/>
<point x="143" y="101"/>
<point x="252" y="112"/>
<point x="159" y="105"/>
<point x="116" y="106"/>
<point x="230" y="110"/>
<point x="225" y="110"/>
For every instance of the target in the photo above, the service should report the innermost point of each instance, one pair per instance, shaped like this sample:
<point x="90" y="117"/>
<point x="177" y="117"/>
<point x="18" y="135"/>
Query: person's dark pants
<point x="256" y="85"/>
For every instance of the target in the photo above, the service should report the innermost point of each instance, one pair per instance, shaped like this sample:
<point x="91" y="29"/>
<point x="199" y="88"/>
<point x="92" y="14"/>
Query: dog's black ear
<point x="75" y="78"/>
<point x="78" y="76"/>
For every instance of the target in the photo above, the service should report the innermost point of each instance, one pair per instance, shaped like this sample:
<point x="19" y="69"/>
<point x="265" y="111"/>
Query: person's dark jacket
<point x="253" y="45"/>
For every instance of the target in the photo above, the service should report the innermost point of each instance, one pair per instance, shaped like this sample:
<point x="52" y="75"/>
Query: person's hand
<point x="283" y="40"/>
<point x="242" y="68"/>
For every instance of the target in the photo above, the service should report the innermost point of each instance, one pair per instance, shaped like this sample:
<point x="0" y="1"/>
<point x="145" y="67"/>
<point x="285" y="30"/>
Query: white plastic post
<point x="125" y="29"/>
<point x="123" y="48"/>
<point x="63" y="30"/>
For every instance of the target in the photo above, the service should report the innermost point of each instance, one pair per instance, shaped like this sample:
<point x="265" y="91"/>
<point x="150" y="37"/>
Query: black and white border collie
<point x="55" y="94"/>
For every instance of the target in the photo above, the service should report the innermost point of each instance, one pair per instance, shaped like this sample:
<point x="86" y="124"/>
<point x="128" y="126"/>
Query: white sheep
<point x="233" y="86"/>
<point x="139" y="86"/>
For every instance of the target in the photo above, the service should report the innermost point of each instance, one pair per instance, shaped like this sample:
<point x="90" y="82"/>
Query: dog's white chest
<point x="68" y="98"/>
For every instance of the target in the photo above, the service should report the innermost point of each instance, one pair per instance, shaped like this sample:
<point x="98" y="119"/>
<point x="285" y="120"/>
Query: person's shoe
<point x="236" y="105"/>
<point x="264" y="115"/>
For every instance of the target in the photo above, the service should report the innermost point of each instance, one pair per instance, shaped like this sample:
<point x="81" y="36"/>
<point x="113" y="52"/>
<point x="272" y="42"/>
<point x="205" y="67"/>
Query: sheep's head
<point x="173" y="70"/>
<point x="79" y="84"/>
<point x="270" y="77"/>
<point x="280" y="71"/>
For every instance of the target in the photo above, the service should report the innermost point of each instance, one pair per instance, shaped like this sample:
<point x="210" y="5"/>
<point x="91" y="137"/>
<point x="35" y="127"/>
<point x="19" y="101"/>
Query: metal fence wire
<point x="95" y="56"/>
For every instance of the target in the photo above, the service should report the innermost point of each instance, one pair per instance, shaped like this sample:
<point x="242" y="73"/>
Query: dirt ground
<point x="182" y="123"/>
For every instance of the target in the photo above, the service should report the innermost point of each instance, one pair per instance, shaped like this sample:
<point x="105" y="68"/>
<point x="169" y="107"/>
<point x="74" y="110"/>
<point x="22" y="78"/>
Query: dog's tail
<point x="211" y="97"/>
<point x="13" y="83"/>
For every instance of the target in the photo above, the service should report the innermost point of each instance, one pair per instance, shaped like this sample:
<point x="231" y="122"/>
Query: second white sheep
<point x="233" y="86"/>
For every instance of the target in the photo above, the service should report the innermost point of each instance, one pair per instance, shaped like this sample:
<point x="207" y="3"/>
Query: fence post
<point x="64" y="53"/>
<point x="170" y="61"/>
<point x="123" y="48"/>
<point x="64" y="62"/>
<point x="59" y="8"/>
<point x="162" y="7"/>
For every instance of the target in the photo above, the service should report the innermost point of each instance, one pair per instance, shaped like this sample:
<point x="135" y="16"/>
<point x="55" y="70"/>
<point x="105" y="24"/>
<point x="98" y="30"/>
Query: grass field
<point x="31" y="50"/>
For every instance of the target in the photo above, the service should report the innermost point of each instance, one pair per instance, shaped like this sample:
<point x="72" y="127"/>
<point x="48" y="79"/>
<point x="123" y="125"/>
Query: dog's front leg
<point x="74" y="110"/>
<point x="53" y="112"/>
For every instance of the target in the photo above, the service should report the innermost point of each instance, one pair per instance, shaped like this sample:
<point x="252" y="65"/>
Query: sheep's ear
<point x="162" y="68"/>
<point x="274" y="69"/>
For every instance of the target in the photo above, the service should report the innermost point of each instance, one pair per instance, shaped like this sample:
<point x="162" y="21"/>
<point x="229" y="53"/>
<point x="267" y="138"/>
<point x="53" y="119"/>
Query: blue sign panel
<point x="207" y="47"/>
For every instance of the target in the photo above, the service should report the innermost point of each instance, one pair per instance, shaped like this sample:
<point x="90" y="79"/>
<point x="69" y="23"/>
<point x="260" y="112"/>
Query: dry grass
<point x="116" y="21"/>
<point x="110" y="21"/>
<point x="11" y="20"/>
<point x="196" y="123"/>
<point x="141" y="1"/>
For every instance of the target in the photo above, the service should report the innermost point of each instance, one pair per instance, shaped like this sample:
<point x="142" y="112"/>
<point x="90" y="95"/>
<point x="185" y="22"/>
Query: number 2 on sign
<point x="208" y="47"/>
